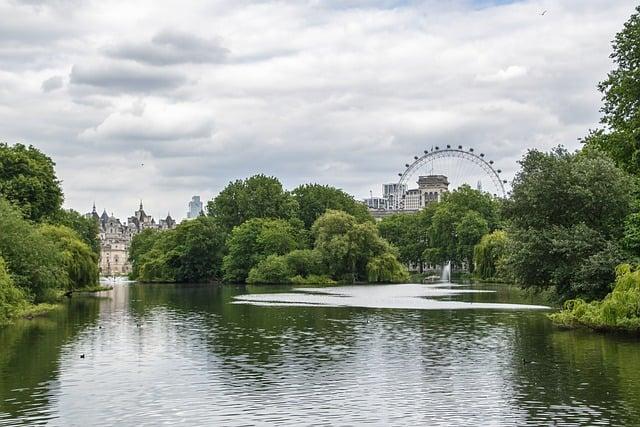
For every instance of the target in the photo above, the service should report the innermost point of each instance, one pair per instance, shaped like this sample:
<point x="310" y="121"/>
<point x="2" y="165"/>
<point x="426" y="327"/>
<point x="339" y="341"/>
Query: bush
<point x="312" y="279"/>
<point x="619" y="310"/>
<point x="271" y="270"/>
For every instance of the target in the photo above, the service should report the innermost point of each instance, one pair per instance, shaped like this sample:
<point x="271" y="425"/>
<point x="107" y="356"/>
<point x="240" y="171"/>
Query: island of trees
<point x="569" y="228"/>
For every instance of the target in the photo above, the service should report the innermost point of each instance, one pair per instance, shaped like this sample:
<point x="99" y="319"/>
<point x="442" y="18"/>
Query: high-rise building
<point x="195" y="207"/>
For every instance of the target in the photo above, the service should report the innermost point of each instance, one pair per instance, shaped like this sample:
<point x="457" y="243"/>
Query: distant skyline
<point x="163" y="100"/>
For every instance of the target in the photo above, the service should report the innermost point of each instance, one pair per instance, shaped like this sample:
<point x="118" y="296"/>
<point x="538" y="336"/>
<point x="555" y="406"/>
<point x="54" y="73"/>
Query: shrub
<point x="12" y="299"/>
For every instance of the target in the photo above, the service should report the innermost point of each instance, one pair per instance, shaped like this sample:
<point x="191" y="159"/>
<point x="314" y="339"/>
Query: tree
<point x="28" y="180"/>
<point x="198" y="248"/>
<point x="12" y="299"/>
<point x="80" y="262"/>
<point x="259" y="196"/>
<point x="86" y="228"/>
<point x="409" y="234"/>
<point x="347" y="247"/>
<point x="386" y="268"/>
<point x="621" y="110"/>
<point x="489" y="253"/>
<point x="457" y="224"/>
<point x="567" y="215"/>
<point x="254" y="240"/>
<point x="273" y="269"/>
<point x="314" y="200"/>
<point x="35" y="263"/>
<point x="141" y="244"/>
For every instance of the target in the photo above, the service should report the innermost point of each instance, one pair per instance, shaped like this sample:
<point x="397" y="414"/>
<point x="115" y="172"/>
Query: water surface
<point x="211" y="355"/>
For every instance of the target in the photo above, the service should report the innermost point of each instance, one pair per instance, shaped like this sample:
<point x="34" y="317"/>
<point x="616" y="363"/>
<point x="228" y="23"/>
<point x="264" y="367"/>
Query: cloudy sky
<point x="161" y="100"/>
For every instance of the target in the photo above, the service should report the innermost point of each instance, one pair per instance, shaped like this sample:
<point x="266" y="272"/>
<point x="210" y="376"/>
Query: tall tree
<point x="621" y="96"/>
<point x="314" y="200"/>
<point x="259" y="196"/>
<point x="567" y="215"/>
<point x="28" y="180"/>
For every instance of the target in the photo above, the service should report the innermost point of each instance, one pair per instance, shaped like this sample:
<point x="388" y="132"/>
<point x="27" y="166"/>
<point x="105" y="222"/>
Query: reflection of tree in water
<point x="30" y="355"/>
<point x="245" y="336"/>
<point x="575" y="376"/>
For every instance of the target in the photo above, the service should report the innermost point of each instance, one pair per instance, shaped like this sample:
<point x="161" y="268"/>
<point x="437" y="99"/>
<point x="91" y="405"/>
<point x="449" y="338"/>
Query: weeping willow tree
<point x="488" y="253"/>
<point x="619" y="310"/>
<point x="386" y="268"/>
<point x="80" y="261"/>
<point x="12" y="299"/>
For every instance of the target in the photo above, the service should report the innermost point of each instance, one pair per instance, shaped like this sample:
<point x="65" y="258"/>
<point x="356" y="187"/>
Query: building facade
<point x="115" y="238"/>
<point x="397" y="198"/>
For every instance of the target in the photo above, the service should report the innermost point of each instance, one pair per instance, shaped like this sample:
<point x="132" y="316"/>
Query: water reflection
<point x="188" y="354"/>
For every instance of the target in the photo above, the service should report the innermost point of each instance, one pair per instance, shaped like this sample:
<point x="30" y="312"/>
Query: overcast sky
<point x="161" y="100"/>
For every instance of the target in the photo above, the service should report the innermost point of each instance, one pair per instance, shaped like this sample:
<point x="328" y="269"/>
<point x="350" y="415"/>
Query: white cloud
<point x="333" y="92"/>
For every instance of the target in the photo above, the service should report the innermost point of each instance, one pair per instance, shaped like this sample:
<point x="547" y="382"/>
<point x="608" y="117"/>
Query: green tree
<point x="567" y="215"/>
<point x="489" y="254"/>
<point x="305" y="262"/>
<point x="12" y="299"/>
<point x="259" y="196"/>
<point x="141" y="244"/>
<point x="254" y="240"/>
<point x="198" y="248"/>
<point x="273" y="269"/>
<point x="409" y="234"/>
<point x="621" y="95"/>
<point x="469" y="231"/>
<point x="28" y="180"/>
<point x="86" y="228"/>
<point x="314" y="200"/>
<point x="347" y="247"/>
<point x="35" y="263"/>
<point x="386" y="268"/>
<point x="80" y="262"/>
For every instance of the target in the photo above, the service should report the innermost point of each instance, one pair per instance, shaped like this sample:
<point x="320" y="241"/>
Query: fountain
<point x="446" y="272"/>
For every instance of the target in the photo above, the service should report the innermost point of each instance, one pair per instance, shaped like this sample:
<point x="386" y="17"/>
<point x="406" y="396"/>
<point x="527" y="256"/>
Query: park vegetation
<point x="257" y="232"/>
<point x="44" y="250"/>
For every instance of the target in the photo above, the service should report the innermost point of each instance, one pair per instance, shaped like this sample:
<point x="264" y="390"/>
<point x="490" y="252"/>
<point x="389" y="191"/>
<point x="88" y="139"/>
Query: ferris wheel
<point x="458" y="165"/>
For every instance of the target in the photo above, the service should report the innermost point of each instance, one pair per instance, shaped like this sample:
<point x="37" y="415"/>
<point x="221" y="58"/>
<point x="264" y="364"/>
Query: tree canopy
<point x="314" y="200"/>
<point x="259" y="196"/>
<point x="28" y="180"/>
<point x="567" y="214"/>
<point x="621" y="95"/>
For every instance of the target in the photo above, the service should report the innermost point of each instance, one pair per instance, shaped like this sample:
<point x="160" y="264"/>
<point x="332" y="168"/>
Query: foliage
<point x="386" y="268"/>
<point x="12" y="299"/>
<point x="259" y="196"/>
<point x="567" y="215"/>
<point x="621" y="110"/>
<point x="457" y="224"/>
<point x="305" y="262"/>
<point x="28" y="180"/>
<point x="347" y="247"/>
<point x="620" y="309"/>
<point x="489" y="253"/>
<point x="272" y="269"/>
<point x="408" y="233"/>
<point x="192" y="252"/>
<point x="314" y="200"/>
<point x="254" y="240"/>
<point x="80" y="262"/>
<point x="34" y="261"/>
<point x="86" y="228"/>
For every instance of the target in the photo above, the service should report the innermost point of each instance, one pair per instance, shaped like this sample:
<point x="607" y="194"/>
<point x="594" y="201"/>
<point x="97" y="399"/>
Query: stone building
<point x="115" y="238"/>
<point x="430" y="190"/>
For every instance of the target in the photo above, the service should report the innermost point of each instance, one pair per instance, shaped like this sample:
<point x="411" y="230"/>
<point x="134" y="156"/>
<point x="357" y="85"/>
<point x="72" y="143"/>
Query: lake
<point x="352" y="355"/>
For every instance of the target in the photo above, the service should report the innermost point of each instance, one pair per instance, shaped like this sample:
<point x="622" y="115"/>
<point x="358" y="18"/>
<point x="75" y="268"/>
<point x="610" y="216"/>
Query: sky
<point x="162" y="100"/>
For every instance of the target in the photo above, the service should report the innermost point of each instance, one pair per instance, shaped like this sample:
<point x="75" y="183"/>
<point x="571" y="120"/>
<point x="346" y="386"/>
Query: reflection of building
<point x="115" y="238"/>
<point x="430" y="190"/>
<point x="195" y="207"/>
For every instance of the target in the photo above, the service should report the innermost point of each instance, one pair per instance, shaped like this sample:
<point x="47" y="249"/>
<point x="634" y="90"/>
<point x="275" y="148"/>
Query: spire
<point x="140" y="204"/>
<point x="94" y="207"/>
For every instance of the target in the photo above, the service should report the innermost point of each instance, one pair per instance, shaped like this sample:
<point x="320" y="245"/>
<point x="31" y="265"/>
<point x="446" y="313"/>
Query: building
<point x="115" y="238"/>
<point x="195" y="208"/>
<point x="397" y="198"/>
